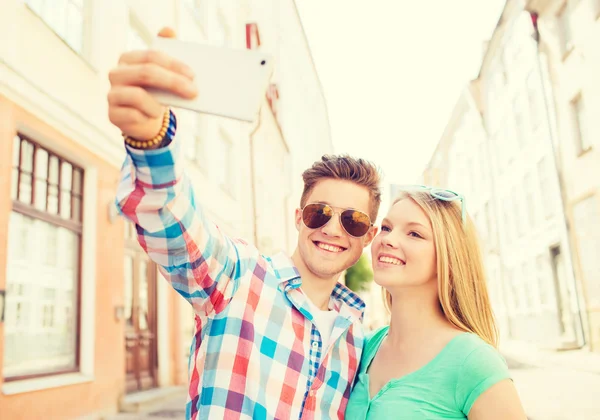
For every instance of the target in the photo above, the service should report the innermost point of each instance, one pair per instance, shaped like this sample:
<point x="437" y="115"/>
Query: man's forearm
<point x="156" y="195"/>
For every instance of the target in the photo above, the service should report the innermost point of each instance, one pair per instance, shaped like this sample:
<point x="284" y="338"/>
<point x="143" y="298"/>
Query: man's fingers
<point x="158" y="58"/>
<point x="167" y="32"/>
<point x="135" y="97"/>
<point x="155" y="76"/>
<point x="125" y="116"/>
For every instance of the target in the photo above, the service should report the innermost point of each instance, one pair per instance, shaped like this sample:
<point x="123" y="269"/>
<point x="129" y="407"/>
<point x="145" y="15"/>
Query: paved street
<point x="556" y="393"/>
<point x="173" y="409"/>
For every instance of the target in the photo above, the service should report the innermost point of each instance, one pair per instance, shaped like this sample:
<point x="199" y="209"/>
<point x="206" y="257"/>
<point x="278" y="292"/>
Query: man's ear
<point x="370" y="236"/>
<point x="298" y="219"/>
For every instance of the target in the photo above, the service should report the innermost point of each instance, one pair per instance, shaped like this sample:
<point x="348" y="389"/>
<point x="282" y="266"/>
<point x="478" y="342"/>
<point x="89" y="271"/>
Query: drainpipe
<point x="253" y="178"/>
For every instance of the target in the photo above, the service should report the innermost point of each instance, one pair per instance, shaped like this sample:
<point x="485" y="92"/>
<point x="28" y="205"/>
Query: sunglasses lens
<point x="445" y="194"/>
<point x="355" y="222"/>
<point x="316" y="215"/>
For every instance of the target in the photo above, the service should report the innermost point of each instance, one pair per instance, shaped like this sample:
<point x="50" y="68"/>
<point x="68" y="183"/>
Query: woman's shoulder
<point x="481" y="366"/>
<point x="374" y="337"/>
<point x="468" y="346"/>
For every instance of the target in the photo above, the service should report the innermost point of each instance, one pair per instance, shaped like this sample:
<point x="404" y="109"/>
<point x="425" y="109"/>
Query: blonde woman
<point x="438" y="358"/>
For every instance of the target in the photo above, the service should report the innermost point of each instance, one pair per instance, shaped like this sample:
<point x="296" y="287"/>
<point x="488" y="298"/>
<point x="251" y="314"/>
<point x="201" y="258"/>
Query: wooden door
<point x="140" y="317"/>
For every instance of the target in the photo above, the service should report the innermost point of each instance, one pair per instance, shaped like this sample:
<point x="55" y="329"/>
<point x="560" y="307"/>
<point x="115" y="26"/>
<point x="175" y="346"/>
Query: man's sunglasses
<point x="355" y="222"/>
<point x="441" y="194"/>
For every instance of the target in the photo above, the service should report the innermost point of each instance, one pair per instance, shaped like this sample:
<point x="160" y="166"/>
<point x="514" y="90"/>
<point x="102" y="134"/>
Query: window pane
<point x="74" y="36"/>
<point x="52" y="199"/>
<point x="53" y="173"/>
<point x="66" y="175"/>
<point x="65" y="205"/>
<point x="41" y="164"/>
<point x="25" y="188"/>
<point x="40" y="329"/>
<point x="41" y="173"/>
<point x="26" y="156"/>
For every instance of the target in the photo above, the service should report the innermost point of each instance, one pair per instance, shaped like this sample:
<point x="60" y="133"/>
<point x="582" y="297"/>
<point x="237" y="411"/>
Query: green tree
<point x="360" y="274"/>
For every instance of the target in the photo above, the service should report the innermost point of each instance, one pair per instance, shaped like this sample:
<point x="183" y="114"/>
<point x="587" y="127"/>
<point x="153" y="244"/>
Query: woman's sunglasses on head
<point x="355" y="222"/>
<point x="441" y="194"/>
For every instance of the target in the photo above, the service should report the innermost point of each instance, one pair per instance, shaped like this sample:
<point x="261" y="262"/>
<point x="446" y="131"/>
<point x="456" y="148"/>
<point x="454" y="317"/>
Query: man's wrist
<point x="162" y="139"/>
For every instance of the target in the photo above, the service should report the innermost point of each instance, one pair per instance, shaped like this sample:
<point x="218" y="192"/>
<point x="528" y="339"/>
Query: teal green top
<point x="445" y="388"/>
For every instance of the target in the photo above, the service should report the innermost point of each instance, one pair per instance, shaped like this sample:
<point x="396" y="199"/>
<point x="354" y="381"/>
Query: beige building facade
<point x="513" y="147"/>
<point x="569" y="38"/>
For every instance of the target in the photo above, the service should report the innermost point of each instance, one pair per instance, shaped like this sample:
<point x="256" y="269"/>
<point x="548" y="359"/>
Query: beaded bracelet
<point x="146" y="144"/>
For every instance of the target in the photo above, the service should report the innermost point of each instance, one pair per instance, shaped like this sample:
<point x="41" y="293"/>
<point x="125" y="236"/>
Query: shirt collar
<point x="289" y="278"/>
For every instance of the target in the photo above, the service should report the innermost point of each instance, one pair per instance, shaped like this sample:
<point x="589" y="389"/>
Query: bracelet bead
<point x="145" y="144"/>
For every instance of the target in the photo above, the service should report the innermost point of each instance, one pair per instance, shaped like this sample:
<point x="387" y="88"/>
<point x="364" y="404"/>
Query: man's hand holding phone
<point x="135" y="111"/>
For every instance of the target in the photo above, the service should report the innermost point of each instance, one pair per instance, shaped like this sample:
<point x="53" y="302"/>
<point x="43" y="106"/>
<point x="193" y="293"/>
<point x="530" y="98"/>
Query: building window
<point x="42" y="299"/>
<point x="581" y="130"/>
<point x="565" y="29"/>
<point x="65" y="17"/>
<point x="586" y="215"/>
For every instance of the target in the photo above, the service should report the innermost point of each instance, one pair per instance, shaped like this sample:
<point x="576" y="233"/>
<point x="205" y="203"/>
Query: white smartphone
<point x="231" y="82"/>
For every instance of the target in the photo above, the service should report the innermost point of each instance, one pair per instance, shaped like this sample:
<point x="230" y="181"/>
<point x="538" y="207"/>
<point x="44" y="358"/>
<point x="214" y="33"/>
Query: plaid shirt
<point x="256" y="353"/>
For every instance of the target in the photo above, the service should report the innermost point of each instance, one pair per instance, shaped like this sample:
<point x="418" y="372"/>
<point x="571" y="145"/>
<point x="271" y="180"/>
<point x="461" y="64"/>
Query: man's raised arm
<point x="154" y="191"/>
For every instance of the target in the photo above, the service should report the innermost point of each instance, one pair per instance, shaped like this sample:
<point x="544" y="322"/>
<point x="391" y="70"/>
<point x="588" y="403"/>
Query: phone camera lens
<point x="262" y="63"/>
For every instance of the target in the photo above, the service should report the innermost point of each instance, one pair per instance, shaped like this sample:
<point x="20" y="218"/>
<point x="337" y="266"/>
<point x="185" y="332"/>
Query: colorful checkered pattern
<point x="256" y="353"/>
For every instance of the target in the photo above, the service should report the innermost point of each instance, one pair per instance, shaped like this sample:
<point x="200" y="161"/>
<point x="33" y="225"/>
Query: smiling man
<point x="276" y="337"/>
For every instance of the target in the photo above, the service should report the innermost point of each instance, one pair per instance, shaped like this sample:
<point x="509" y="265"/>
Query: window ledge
<point x="37" y="384"/>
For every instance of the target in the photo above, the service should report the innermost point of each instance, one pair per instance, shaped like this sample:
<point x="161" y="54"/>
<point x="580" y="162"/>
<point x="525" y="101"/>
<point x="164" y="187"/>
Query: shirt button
<point x="311" y="393"/>
<point x="315" y="345"/>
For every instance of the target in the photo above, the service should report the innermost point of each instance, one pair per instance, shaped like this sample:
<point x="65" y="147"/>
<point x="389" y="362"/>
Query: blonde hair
<point x="461" y="276"/>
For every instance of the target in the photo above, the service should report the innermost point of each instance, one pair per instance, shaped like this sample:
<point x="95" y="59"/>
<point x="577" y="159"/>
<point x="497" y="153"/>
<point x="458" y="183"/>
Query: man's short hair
<point x="344" y="167"/>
